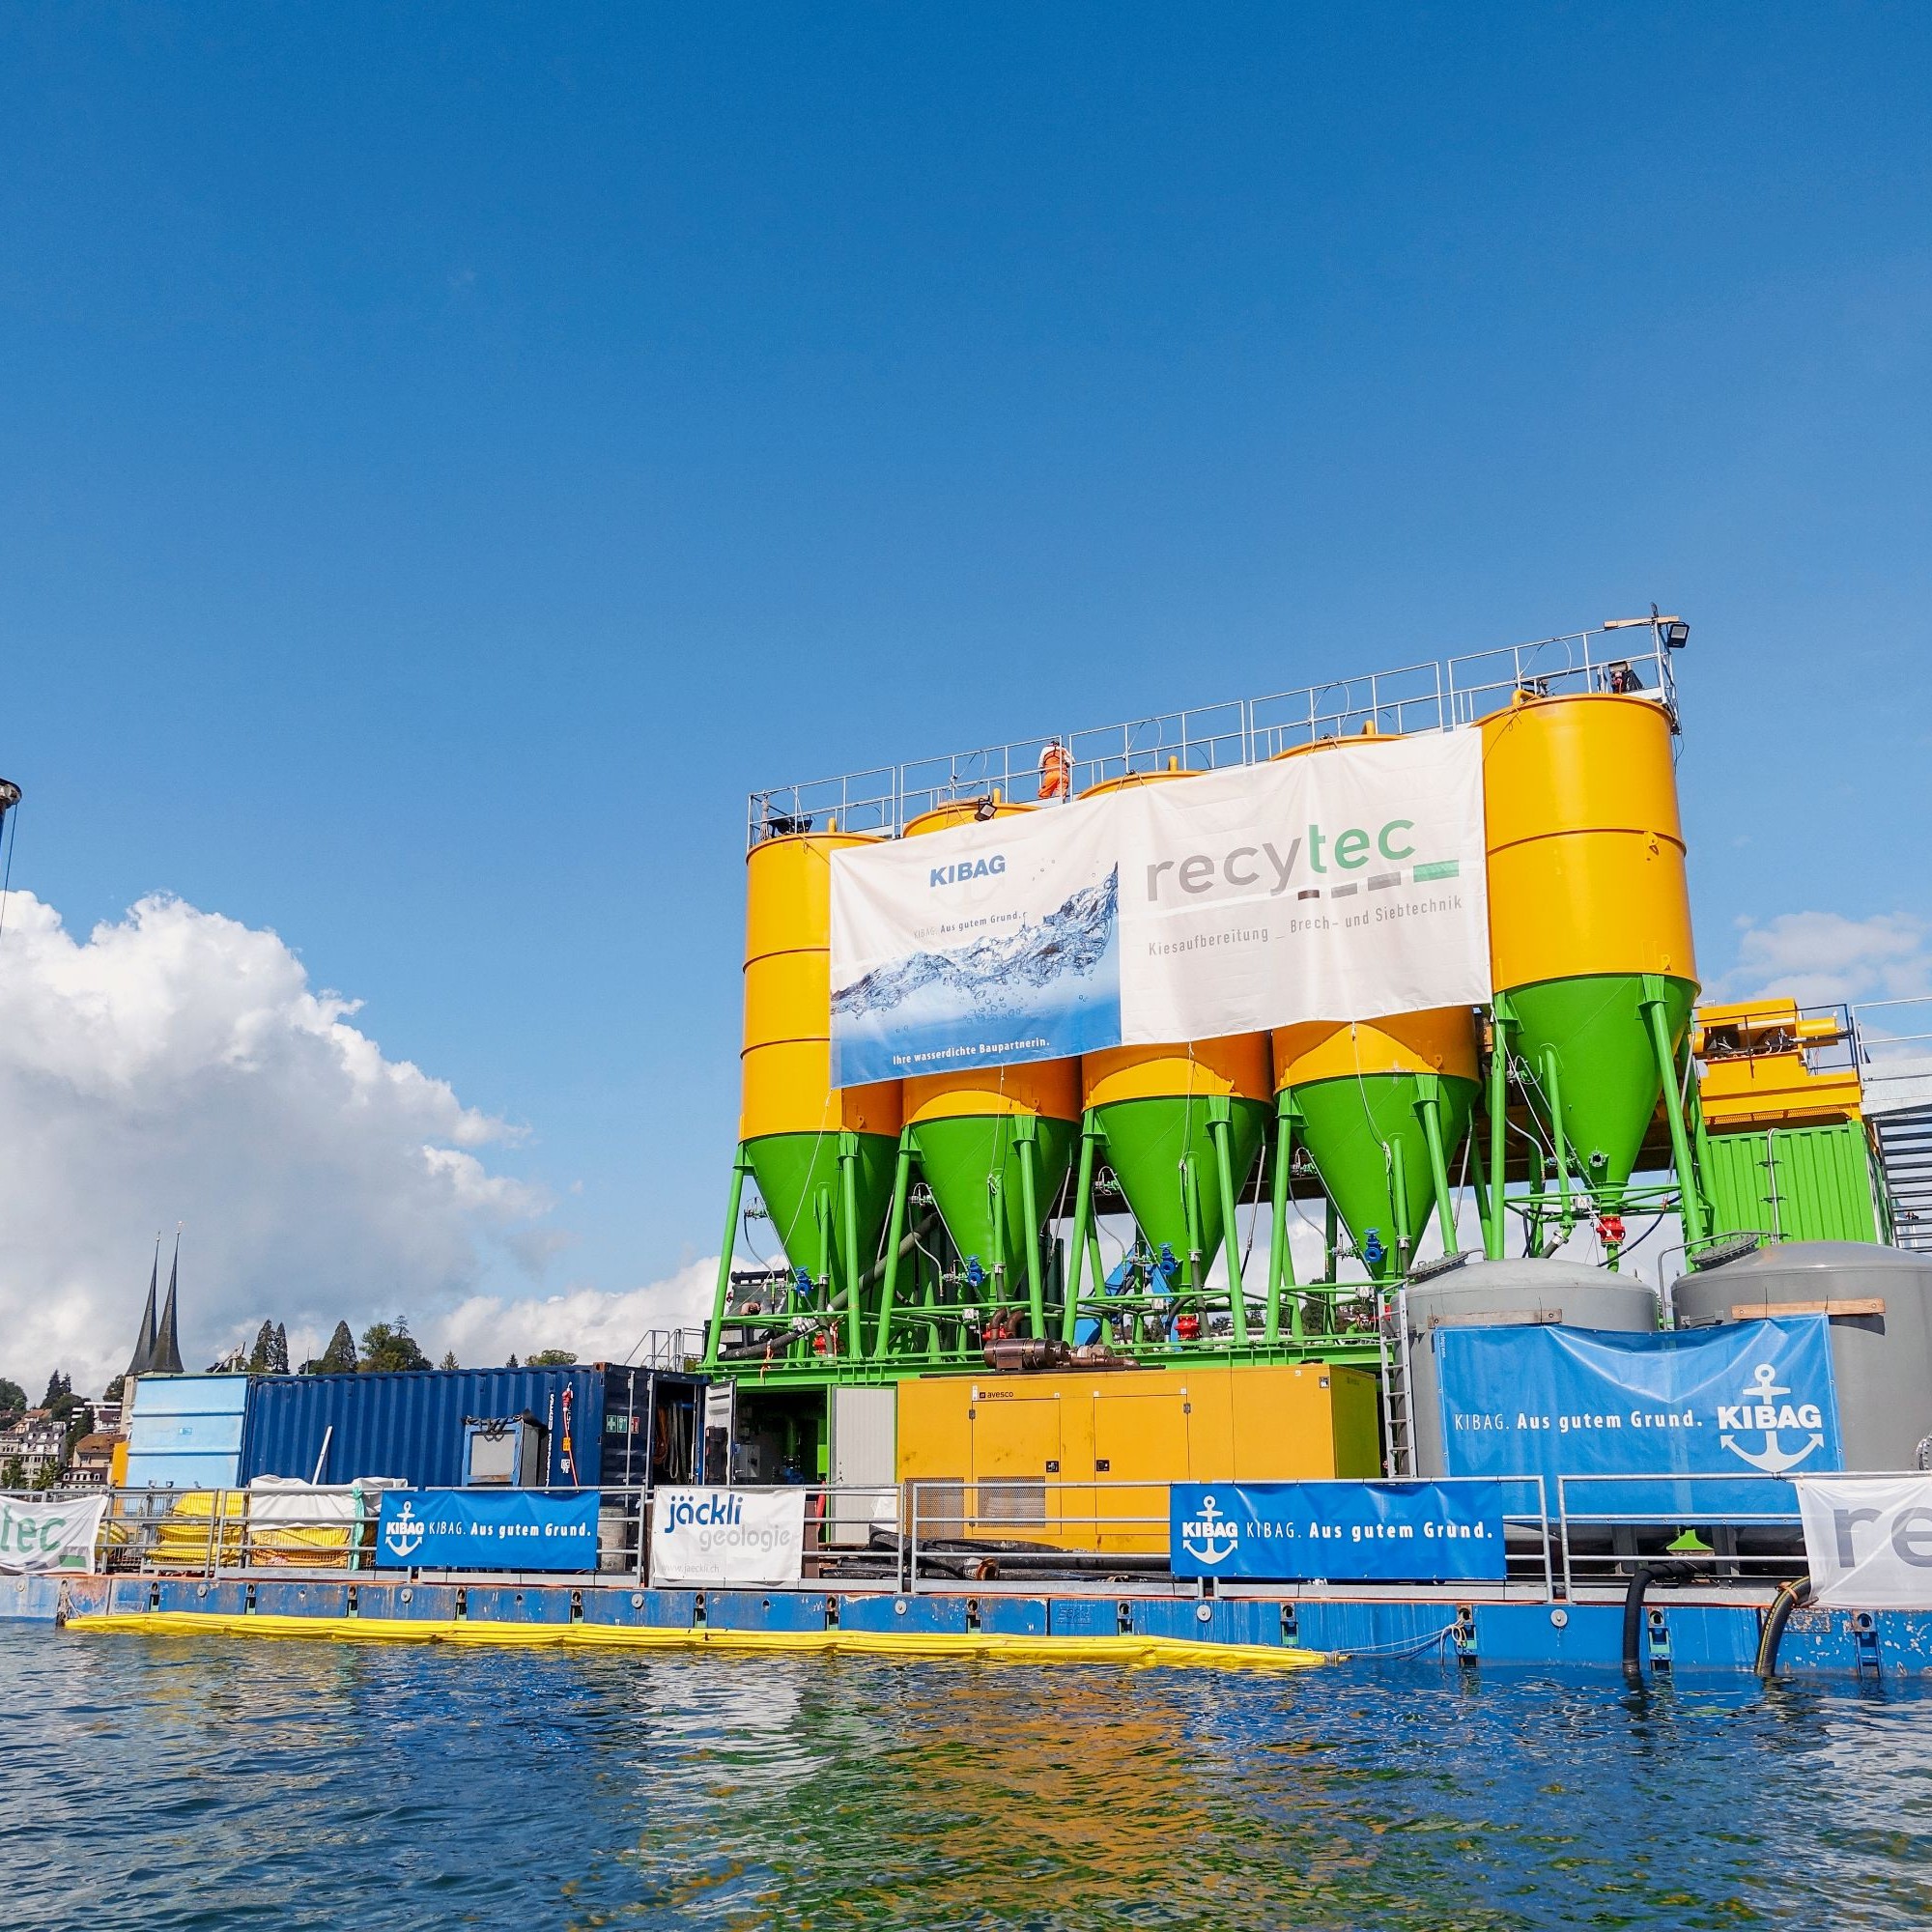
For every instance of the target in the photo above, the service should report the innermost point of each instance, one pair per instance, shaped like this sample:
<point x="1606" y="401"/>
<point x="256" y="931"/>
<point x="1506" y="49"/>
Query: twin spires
<point x="157" y="1346"/>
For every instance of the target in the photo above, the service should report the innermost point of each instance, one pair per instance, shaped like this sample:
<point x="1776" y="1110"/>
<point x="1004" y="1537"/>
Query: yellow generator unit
<point x="1083" y="1461"/>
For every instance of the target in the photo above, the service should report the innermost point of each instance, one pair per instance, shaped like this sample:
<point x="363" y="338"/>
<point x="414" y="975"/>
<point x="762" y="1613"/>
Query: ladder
<point x="1905" y="1154"/>
<point x="1398" y="1424"/>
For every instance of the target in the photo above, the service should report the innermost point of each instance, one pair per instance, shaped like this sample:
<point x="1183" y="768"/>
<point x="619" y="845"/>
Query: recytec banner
<point x="1868" y="1541"/>
<point x="1341" y="886"/>
<point x="457" y="1529"/>
<point x="1749" y="1397"/>
<point x="728" y="1536"/>
<point x="1339" y="1532"/>
<point x="48" y="1535"/>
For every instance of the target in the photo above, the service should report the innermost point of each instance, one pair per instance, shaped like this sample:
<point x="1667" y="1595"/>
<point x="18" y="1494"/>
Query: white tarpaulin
<point x="48" y="1535"/>
<point x="1343" y="885"/>
<point x="1868" y="1541"/>
<point x="728" y="1536"/>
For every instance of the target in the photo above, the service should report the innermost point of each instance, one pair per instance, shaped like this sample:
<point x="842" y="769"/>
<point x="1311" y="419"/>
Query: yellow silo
<point x="1182" y="1125"/>
<point x="994" y="1143"/>
<point x="1589" y="932"/>
<point x="822" y="1155"/>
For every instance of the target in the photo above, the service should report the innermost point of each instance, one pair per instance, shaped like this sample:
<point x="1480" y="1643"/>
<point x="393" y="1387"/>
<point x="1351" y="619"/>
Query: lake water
<point x="169" y="1781"/>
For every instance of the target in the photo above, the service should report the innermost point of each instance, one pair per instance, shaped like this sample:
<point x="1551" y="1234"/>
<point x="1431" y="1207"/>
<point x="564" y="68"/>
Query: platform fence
<point x="1581" y="1537"/>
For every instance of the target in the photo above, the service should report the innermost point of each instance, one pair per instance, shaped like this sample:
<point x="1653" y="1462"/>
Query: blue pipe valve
<point x="976" y="1275"/>
<point x="1372" y="1251"/>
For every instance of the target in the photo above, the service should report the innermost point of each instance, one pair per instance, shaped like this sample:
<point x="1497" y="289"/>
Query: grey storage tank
<point x="1490" y="1294"/>
<point x="1879" y="1301"/>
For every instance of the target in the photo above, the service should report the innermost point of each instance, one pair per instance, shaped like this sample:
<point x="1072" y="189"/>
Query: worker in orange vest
<point x="1056" y="769"/>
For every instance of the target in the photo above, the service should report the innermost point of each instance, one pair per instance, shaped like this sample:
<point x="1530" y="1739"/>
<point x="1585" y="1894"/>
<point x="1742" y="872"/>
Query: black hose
<point x="1634" y="1623"/>
<point x="1789" y="1597"/>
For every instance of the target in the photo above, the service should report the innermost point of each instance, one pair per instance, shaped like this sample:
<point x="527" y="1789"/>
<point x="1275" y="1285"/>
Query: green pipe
<point x="1082" y="1221"/>
<point x="1281" y="1266"/>
<point x="1095" y="1266"/>
<point x="1190" y="1194"/>
<point x="1035" y="1294"/>
<point x="1399" y="1196"/>
<point x="1552" y="1082"/>
<point x="1490" y="1246"/>
<point x="1329" y="1245"/>
<point x="901" y="1181"/>
<point x="1431" y="1105"/>
<point x="1691" y="1209"/>
<point x="1498" y="1125"/>
<point x="1220" y="1132"/>
<point x="740" y="1168"/>
<point x="848" y="1177"/>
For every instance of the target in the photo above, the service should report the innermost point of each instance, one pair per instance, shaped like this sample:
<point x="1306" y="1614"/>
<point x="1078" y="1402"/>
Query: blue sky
<point x="449" y="455"/>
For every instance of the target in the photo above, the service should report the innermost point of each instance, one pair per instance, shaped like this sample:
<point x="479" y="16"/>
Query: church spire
<point x="144" y="1343"/>
<point x="167" y="1359"/>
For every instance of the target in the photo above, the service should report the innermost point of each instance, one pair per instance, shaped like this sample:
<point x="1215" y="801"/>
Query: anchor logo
<point x="1210" y="1538"/>
<point x="406" y="1533"/>
<point x="1774" y="1459"/>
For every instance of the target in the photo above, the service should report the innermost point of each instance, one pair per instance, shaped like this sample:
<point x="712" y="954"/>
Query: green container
<point x="797" y="1176"/>
<point x="1362" y="1132"/>
<point x="1163" y="1153"/>
<point x="1596" y="1032"/>
<point x="972" y="1163"/>
<point x="1794" y="1184"/>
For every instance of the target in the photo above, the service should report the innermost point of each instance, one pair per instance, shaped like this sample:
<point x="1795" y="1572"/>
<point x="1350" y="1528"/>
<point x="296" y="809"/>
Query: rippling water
<point x="171" y="1781"/>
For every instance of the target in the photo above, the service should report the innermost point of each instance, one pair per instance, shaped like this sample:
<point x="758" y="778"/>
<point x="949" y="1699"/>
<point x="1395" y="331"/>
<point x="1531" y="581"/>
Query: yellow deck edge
<point x="1144" y="1652"/>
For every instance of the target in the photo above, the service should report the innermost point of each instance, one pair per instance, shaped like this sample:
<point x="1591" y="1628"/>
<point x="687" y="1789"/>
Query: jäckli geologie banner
<point x="1346" y="884"/>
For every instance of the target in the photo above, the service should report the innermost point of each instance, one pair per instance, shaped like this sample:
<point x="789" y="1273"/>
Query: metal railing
<point x="1431" y="695"/>
<point x="1722" y="1534"/>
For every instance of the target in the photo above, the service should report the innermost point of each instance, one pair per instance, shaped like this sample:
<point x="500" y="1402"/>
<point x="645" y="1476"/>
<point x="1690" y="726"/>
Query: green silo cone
<point x="1163" y="1153"/>
<point x="972" y="1164"/>
<point x="1590" y="1038"/>
<point x="799" y="1177"/>
<point x="1370" y="1146"/>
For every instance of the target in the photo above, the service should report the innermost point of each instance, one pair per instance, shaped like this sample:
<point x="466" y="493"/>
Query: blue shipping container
<point x="408" y="1423"/>
<point x="185" y="1432"/>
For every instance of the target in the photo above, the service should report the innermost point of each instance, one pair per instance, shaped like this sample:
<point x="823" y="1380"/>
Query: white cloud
<point x="1820" y="957"/>
<point x="177" y="1065"/>
<point x="597" y="1326"/>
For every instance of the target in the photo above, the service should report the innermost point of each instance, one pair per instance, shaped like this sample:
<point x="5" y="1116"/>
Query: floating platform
<point x="1683" y="1631"/>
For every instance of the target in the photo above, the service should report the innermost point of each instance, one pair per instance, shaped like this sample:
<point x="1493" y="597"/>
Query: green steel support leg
<point x="1330" y="1245"/>
<point x="1482" y="1180"/>
<point x="1030" y="1206"/>
<point x="740" y="1168"/>
<point x="896" y="1234"/>
<point x="1692" y="1209"/>
<point x="848" y="1182"/>
<point x="1431" y="1105"/>
<point x="1498" y="1226"/>
<point x="1095" y="1268"/>
<point x="1281" y="1266"/>
<point x="1552" y="1085"/>
<point x="1221" y="1132"/>
<point x="1700" y="1138"/>
<point x="1083" y="1222"/>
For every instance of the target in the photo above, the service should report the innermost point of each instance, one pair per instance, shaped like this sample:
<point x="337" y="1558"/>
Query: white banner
<point x="1868" y="1541"/>
<point x="1346" y="885"/>
<point x="728" y="1536"/>
<point x="48" y="1535"/>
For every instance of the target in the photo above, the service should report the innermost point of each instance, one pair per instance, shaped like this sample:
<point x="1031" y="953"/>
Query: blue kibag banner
<point x="1748" y="1399"/>
<point x="1338" y="1532"/>
<point x="454" y="1529"/>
